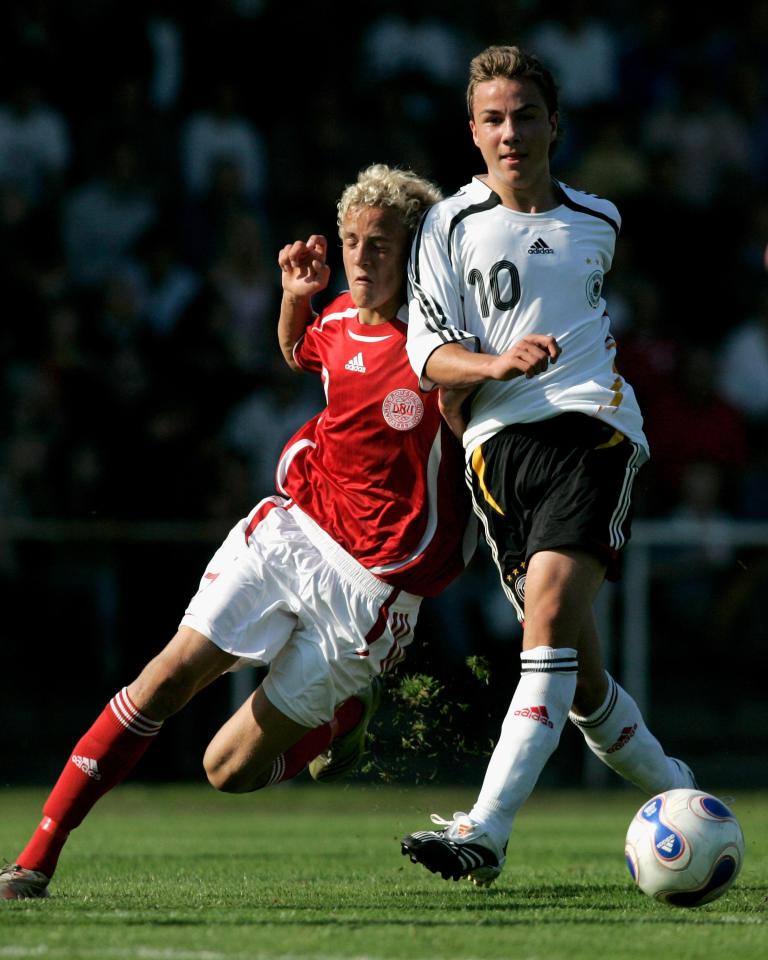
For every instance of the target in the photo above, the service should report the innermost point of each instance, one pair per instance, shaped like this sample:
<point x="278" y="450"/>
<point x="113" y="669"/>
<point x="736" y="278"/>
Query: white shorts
<point x="280" y="591"/>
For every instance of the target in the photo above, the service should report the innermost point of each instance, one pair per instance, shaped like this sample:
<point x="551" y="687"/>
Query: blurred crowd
<point x="154" y="157"/>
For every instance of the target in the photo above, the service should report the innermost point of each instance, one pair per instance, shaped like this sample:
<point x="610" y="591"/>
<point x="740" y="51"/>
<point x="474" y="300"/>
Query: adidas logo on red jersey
<point x="356" y="363"/>
<point x="536" y="713"/>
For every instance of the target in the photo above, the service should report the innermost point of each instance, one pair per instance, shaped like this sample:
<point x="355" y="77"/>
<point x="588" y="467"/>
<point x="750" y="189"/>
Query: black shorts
<point x="555" y="484"/>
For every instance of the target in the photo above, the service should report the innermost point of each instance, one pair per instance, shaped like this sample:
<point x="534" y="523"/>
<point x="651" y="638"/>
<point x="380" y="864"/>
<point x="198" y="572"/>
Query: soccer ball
<point x="684" y="847"/>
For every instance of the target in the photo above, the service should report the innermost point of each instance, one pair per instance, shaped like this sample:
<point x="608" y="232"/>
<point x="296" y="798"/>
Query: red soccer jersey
<point x="378" y="469"/>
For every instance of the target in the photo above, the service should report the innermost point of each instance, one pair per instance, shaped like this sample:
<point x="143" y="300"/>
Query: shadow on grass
<point x="560" y="905"/>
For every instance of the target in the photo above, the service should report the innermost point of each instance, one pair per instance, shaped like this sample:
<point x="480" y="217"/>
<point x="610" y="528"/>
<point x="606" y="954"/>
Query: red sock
<point x="293" y="761"/>
<point x="348" y="715"/>
<point x="103" y="757"/>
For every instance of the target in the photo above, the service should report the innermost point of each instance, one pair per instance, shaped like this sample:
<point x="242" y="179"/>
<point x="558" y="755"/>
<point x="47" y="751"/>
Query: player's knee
<point x="228" y="776"/>
<point x="234" y="781"/>
<point x="547" y="618"/>
<point x="228" y="781"/>
<point x="223" y="777"/>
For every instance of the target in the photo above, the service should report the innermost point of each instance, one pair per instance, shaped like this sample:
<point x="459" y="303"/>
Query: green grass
<point x="308" y="872"/>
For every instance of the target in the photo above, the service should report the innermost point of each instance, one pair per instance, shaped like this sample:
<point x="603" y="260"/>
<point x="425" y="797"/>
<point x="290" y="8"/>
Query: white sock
<point x="529" y="734"/>
<point x="616" y="733"/>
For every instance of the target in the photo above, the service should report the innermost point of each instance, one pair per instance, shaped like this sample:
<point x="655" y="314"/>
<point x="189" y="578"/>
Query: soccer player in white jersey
<point x="322" y="582"/>
<point x="506" y="311"/>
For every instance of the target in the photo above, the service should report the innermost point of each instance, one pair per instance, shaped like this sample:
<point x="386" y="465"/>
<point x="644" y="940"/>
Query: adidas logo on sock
<point x="88" y="766"/>
<point x="540" y="246"/>
<point x="536" y="713"/>
<point x="626" y="735"/>
<point x="356" y="363"/>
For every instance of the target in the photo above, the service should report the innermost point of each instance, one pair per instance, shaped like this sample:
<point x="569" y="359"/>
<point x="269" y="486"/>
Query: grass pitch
<point x="313" y="872"/>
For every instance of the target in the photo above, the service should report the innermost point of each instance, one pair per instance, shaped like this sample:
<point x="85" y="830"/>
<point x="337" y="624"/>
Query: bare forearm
<point x="454" y="406"/>
<point x="456" y="367"/>
<point x="303" y="272"/>
<point x="453" y="366"/>
<point x="295" y="313"/>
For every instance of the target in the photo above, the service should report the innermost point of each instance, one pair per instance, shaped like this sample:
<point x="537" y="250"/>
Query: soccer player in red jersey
<point x="323" y="581"/>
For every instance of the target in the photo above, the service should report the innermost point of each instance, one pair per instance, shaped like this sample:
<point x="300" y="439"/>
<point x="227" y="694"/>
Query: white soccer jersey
<point x="485" y="276"/>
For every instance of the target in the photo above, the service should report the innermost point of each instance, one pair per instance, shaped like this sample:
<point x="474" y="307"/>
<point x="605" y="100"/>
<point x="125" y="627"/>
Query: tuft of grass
<point x="309" y="871"/>
<point x="480" y="668"/>
<point x="422" y="725"/>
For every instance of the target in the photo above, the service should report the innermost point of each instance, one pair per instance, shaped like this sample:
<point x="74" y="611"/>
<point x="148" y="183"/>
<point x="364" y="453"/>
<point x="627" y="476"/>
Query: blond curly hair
<point x="379" y="185"/>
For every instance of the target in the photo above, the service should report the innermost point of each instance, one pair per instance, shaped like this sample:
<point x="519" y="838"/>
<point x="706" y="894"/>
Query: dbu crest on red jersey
<point x="402" y="409"/>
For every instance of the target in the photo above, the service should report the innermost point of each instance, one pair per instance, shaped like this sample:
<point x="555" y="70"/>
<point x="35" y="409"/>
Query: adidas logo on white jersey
<point x="540" y="246"/>
<point x="356" y="363"/>
<point x="87" y="765"/>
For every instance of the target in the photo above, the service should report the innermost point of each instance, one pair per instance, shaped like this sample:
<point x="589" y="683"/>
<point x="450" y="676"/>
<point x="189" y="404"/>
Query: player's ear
<point x="473" y="130"/>
<point x="554" y="124"/>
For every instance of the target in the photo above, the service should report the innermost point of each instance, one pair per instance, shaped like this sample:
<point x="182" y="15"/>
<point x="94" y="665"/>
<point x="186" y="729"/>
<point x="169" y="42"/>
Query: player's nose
<point x="361" y="254"/>
<point x="509" y="131"/>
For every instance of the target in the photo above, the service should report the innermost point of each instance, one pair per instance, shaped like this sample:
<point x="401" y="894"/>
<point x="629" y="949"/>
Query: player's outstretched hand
<point x="527" y="358"/>
<point x="303" y="267"/>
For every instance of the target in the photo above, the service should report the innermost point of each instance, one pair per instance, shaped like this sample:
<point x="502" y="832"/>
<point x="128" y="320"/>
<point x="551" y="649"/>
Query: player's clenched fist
<point x="303" y="267"/>
<point x="528" y="357"/>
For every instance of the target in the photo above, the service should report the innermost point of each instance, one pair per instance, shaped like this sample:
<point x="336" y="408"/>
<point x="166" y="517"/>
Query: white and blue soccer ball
<point x="684" y="847"/>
